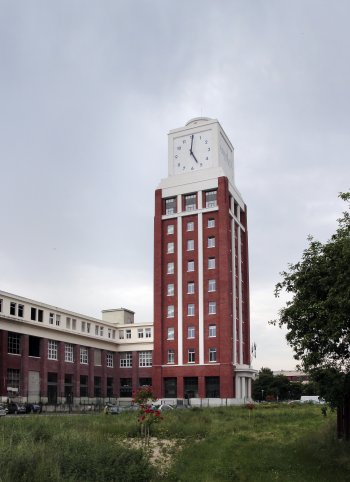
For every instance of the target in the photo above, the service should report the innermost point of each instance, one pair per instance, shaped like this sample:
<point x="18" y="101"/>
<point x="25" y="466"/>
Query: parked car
<point x="3" y="411"/>
<point x="33" y="408"/>
<point x="163" y="407"/>
<point x="112" y="409"/>
<point x="14" y="407"/>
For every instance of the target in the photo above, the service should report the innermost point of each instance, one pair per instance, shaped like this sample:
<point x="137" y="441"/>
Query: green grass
<point x="223" y="444"/>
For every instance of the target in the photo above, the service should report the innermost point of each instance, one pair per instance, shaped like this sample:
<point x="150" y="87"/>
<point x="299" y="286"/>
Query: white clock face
<point x="192" y="151"/>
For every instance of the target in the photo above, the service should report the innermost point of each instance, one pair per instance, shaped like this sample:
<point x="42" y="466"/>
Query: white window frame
<point x="171" y="311"/>
<point x="211" y="285"/>
<point x="121" y="334"/>
<point x="128" y="334"/>
<point x="190" y="245"/>
<point x="170" y="229"/>
<point x="191" y="332"/>
<point x="170" y="268"/>
<point x="212" y="308"/>
<point x="211" y="242"/>
<point x="52" y="350"/>
<point x="84" y="355"/>
<point x="171" y="333"/>
<point x="145" y="358"/>
<point x="170" y="289"/>
<point x="190" y="226"/>
<point x="171" y="357"/>
<point x="212" y="331"/>
<point x="212" y="355"/>
<point x="170" y="248"/>
<point x="190" y="309"/>
<point x="190" y="288"/>
<point x="211" y="263"/>
<point x="191" y="355"/>
<point x="140" y="333"/>
<point x="69" y="352"/>
<point x="211" y="223"/>
<point x="51" y="317"/>
<point x="125" y="360"/>
<point x="109" y="360"/>
<point x="190" y="266"/>
<point x="148" y="333"/>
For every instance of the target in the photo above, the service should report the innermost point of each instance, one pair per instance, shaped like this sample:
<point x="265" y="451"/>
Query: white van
<point x="311" y="399"/>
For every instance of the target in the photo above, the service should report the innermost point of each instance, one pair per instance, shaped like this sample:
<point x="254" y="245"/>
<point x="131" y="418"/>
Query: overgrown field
<point x="289" y="443"/>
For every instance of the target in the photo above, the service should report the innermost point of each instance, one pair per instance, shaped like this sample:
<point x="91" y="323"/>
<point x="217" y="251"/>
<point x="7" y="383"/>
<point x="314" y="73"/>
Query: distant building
<point x="294" y="375"/>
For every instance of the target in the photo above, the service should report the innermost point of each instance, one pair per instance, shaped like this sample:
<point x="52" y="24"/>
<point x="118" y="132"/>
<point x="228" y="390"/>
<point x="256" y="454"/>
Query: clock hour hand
<point x="191" y="152"/>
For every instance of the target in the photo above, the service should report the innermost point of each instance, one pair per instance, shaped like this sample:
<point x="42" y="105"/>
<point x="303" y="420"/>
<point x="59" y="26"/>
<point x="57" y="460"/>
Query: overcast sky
<point x="90" y="89"/>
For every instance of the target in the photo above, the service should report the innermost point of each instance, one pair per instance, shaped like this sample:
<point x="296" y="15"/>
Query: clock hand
<point x="194" y="157"/>
<point x="191" y="143"/>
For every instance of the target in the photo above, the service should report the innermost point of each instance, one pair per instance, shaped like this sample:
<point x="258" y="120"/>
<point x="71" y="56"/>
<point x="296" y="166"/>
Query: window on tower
<point x="171" y="311"/>
<point x="170" y="268"/>
<point x="190" y="265"/>
<point x="212" y="354"/>
<point x="190" y="226"/>
<point x="211" y="263"/>
<point x="190" y="202"/>
<point x="190" y="244"/>
<point x="212" y="331"/>
<point x="170" y="229"/>
<point x="212" y="285"/>
<point x="191" y="355"/>
<point x="170" y="289"/>
<point x="170" y="248"/>
<point x="190" y="332"/>
<point x="210" y="199"/>
<point x="211" y="242"/>
<point x="212" y="307"/>
<point x="190" y="309"/>
<point x="171" y="333"/>
<point x="190" y="288"/>
<point x="171" y="356"/>
<point x="170" y="205"/>
<point x="211" y="223"/>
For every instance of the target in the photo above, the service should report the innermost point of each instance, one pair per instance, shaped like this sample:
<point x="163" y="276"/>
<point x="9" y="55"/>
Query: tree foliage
<point x="318" y="315"/>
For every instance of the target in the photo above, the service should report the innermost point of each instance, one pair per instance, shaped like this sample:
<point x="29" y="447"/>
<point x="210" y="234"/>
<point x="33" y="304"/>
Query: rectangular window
<point x="212" y="307"/>
<point x="51" y="316"/>
<point x="88" y="327"/>
<point x="121" y="334"/>
<point x="211" y="263"/>
<point x="109" y="360"/>
<point x="171" y="333"/>
<point x="190" y="332"/>
<point x="170" y="268"/>
<point x="20" y="311"/>
<point x="109" y="333"/>
<point x="13" y="378"/>
<point x="101" y="330"/>
<point x="212" y="331"/>
<point x="128" y="334"/>
<point x="140" y="333"/>
<point x="1" y="305"/>
<point x="97" y="386"/>
<point x="52" y="349"/>
<point x="97" y="357"/>
<point x="190" y="244"/>
<point x="212" y="285"/>
<point x="12" y="308"/>
<point x="84" y="355"/>
<point x="211" y="223"/>
<point x="190" y="226"/>
<point x="96" y="330"/>
<point x="171" y="311"/>
<point x="170" y="205"/>
<point x="83" y="326"/>
<point x="210" y="199"/>
<point x="126" y="359"/>
<point x="113" y="334"/>
<point x="190" y="288"/>
<point x="171" y="356"/>
<point x="148" y="332"/>
<point x="212" y="354"/>
<point x="190" y="266"/>
<point x="13" y="343"/>
<point x="84" y="386"/>
<point x="170" y="290"/>
<point x="68" y="323"/>
<point x="145" y="359"/>
<point x="58" y="320"/>
<point x="40" y="315"/>
<point x="191" y="355"/>
<point x="33" y="314"/>
<point x="170" y="248"/>
<point x="190" y="309"/>
<point x="191" y="202"/>
<point x="211" y="242"/>
<point x="170" y="229"/>
<point x="74" y="324"/>
<point x="69" y="352"/>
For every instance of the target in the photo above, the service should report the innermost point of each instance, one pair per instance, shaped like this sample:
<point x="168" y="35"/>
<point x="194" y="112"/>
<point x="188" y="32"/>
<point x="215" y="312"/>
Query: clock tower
<point x="201" y="285"/>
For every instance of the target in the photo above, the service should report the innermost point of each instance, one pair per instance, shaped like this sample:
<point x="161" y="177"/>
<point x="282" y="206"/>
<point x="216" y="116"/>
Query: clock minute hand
<point x="194" y="157"/>
<point x="191" y="152"/>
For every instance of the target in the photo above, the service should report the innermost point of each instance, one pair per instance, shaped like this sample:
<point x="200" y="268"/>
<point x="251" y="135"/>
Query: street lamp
<point x="262" y="395"/>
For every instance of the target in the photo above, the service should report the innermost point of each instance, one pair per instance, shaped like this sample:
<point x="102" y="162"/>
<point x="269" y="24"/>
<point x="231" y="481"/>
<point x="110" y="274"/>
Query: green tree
<point x="270" y="387"/>
<point x="318" y="315"/>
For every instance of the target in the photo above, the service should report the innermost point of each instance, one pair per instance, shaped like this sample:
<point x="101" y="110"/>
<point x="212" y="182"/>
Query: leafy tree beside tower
<point x="318" y="315"/>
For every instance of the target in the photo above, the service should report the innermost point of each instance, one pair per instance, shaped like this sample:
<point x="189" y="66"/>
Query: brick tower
<point x="201" y="279"/>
